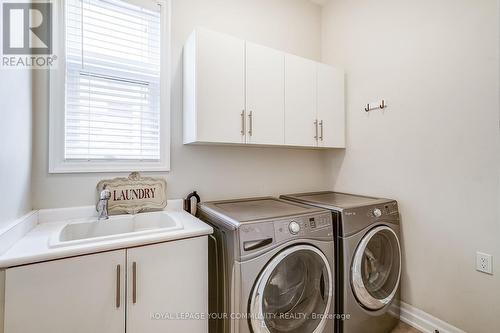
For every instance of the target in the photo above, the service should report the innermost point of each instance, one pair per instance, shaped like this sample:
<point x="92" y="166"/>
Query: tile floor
<point x="404" y="328"/>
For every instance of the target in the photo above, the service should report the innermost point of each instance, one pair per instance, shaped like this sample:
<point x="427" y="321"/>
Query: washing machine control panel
<point x="313" y="225"/>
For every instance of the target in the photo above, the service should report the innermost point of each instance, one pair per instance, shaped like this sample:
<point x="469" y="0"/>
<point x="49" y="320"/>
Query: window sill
<point x="107" y="167"/>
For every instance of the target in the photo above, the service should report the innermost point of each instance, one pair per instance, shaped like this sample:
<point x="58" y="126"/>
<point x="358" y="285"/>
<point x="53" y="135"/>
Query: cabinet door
<point x="265" y="95"/>
<point x="220" y="87"/>
<point x="331" y="110"/>
<point x="300" y="101"/>
<point x="169" y="279"/>
<point x="77" y="295"/>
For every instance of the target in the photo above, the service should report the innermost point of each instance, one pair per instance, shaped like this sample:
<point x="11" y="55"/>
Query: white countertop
<point x="30" y="237"/>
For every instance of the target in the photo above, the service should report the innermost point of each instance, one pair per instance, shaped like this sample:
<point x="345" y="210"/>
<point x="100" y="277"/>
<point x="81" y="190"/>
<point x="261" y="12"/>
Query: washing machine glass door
<point x="293" y="293"/>
<point x="376" y="268"/>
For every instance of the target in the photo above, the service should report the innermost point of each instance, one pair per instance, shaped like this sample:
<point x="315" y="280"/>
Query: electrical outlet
<point x="484" y="263"/>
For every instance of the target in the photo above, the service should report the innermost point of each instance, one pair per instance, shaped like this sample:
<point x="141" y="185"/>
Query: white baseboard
<point x="425" y="322"/>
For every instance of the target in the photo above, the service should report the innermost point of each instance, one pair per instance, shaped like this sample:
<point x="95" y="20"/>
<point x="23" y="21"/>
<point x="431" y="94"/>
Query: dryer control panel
<point x="383" y="210"/>
<point x="358" y="218"/>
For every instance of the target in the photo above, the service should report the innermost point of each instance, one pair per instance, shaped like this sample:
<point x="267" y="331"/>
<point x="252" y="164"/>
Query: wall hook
<point x="380" y="104"/>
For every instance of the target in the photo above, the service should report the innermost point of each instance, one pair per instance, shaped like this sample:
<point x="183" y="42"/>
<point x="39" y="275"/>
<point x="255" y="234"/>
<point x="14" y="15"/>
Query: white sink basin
<point x="116" y="227"/>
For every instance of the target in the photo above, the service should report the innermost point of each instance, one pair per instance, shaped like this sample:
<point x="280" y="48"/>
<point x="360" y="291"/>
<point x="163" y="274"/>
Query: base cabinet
<point x="142" y="289"/>
<point x="77" y="295"/>
<point x="171" y="279"/>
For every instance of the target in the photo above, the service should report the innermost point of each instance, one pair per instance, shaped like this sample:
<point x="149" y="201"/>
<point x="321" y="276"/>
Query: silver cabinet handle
<point x="134" y="282"/>
<point x="250" y="122"/>
<point x="118" y="289"/>
<point x="321" y="130"/>
<point x="316" y="129"/>
<point x="243" y="122"/>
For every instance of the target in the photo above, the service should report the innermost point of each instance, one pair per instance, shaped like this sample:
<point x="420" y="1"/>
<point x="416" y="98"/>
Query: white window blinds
<point x="112" y="101"/>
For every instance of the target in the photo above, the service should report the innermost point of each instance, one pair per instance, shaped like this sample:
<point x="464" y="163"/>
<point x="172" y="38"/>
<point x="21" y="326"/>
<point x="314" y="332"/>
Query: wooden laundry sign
<point x="134" y="194"/>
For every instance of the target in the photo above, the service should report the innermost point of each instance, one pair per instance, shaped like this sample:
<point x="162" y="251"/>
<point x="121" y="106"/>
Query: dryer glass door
<point x="293" y="293"/>
<point x="376" y="268"/>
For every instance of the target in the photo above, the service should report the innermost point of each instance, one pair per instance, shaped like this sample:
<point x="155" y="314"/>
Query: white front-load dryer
<point x="272" y="267"/>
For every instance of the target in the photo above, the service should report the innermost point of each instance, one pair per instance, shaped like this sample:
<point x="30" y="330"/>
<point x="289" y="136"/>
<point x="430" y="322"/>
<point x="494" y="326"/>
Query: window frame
<point x="57" y="91"/>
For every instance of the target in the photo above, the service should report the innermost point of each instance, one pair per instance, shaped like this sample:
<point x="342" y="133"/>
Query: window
<point x="111" y="111"/>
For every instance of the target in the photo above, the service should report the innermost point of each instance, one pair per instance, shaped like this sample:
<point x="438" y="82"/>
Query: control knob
<point x="377" y="212"/>
<point x="294" y="227"/>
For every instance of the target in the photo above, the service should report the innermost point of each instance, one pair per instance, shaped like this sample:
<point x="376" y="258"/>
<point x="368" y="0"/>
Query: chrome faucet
<point x="102" y="205"/>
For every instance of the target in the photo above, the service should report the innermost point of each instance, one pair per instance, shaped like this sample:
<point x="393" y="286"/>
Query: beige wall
<point x="436" y="148"/>
<point x="217" y="172"/>
<point x="15" y="144"/>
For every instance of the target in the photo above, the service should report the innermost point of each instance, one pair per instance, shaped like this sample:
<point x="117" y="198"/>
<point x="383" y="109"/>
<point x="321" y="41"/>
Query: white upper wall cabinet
<point x="331" y="115"/>
<point x="300" y="102"/>
<point x="265" y="89"/>
<point x="214" y="88"/>
<point x="237" y="92"/>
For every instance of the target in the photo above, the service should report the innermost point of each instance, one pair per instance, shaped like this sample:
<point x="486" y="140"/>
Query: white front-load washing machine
<point x="271" y="267"/>
<point x="368" y="269"/>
